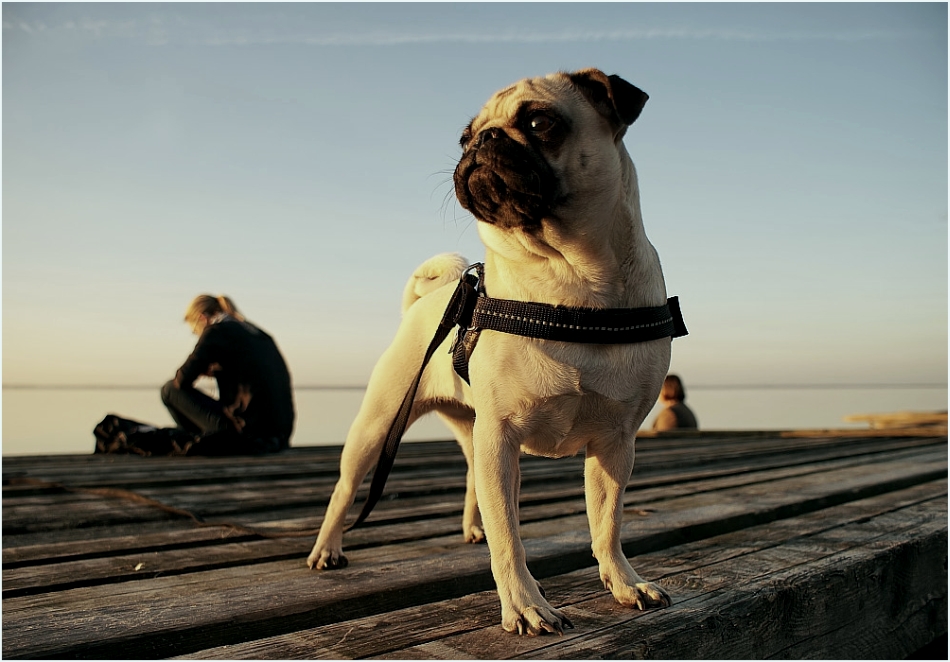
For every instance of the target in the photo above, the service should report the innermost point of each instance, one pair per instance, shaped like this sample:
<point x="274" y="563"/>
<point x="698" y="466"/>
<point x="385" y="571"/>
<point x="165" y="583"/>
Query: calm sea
<point x="60" y="420"/>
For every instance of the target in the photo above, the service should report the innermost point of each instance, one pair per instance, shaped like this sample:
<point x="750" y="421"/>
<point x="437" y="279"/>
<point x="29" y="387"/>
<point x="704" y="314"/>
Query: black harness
<point x="602" y="326"/>
<point x="473" y="311"/>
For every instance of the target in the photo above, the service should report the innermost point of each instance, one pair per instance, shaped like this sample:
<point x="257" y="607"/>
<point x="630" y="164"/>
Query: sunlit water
<point x="41" y="420"/>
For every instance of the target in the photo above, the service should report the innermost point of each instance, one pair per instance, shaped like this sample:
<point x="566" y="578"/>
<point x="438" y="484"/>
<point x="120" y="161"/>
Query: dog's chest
<point x="561" y="426"/>
<point x="554" y="399"/>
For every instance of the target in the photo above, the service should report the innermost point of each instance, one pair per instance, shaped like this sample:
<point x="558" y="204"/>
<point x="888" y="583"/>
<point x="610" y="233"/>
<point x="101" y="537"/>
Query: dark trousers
<point x="204" y="416"/>
<point x="194" y="411"/>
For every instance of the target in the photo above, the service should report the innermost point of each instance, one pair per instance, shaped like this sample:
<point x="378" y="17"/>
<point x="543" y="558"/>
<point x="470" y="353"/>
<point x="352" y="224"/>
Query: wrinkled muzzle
<point x="502" y="182"/>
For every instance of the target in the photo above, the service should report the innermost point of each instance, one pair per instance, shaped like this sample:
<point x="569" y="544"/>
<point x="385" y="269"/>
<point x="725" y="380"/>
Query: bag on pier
<point x="124" y="436"/>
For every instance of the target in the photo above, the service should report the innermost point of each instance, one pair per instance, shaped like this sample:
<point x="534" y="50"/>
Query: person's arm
<point x="201" y="361"/>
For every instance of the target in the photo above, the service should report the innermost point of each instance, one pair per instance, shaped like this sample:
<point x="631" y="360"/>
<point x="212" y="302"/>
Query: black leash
<point x="472" y="310"/>
<point x="460" y="306"/>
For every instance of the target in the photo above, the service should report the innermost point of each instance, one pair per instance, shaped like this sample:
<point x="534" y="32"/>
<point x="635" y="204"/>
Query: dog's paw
<point x="536" y="620"/>
<point x="642" y="595"/>
<point x="473" y="534"/>
<point x="325" y="559"/>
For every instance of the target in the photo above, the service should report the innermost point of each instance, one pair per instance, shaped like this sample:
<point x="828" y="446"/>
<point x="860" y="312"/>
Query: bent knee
<point x="167" y="389"/>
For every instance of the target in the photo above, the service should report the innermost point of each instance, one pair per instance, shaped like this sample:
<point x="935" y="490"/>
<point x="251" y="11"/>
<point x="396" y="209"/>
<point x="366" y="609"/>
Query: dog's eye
<point x="540" y="122"/>
<point x="466" y="137"/>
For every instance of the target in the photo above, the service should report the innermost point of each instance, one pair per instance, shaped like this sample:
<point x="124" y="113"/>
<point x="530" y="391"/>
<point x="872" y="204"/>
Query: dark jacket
<point x="676" y="417"/>
<point x="253" y="380"/>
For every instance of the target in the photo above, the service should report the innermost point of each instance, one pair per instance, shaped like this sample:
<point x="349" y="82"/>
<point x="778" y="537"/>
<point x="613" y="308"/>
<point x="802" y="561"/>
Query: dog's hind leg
<point x="391" y="378"/>
<point x="460" y="421"/>
<point x="607" y="469"/>
<point x="360" y="452"/>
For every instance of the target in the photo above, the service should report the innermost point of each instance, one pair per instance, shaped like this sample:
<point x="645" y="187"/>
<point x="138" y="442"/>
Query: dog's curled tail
<point x="431" y="275"/>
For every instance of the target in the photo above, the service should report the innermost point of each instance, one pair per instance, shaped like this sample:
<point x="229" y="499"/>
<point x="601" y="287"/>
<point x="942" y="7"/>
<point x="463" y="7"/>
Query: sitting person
<point x="254" y="412"/>
<point x="676" y="415"/>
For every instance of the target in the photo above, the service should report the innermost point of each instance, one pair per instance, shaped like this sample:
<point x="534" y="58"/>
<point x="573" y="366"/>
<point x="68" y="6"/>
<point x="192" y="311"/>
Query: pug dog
<point x="545" y="172"/>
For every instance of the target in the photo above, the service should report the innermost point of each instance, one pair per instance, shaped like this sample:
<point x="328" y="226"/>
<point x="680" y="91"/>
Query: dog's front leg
<point x="497" y="483"/>
<point x="607" y="469"/>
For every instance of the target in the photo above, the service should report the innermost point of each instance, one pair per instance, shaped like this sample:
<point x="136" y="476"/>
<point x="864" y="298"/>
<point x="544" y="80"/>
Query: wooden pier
<point x="794" y="545"/>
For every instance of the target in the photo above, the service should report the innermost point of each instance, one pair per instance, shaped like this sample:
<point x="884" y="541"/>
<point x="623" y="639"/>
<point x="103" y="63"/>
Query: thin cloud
<point x="386" y="38"/>
<point x="158" y="32"/>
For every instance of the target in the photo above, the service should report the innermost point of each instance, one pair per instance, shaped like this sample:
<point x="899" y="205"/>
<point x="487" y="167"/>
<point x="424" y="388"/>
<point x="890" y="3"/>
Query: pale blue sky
<point x="298" y="157"/>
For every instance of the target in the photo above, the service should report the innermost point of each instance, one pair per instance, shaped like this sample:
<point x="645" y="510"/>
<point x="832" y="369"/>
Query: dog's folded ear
<point x="612" y="96"/>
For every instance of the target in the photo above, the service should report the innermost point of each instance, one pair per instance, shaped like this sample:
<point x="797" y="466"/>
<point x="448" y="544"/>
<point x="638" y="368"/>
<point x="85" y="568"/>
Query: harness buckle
<point x="471" y="286"/>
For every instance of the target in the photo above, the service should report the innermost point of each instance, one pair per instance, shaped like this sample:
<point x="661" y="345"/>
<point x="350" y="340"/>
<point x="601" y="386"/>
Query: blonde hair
<point x="206" y="304"/>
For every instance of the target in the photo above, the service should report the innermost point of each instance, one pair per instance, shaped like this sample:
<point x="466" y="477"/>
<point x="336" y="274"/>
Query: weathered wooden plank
<point x="76" y="513"/>
<point x="20" y="519"/>
<point x="883" y="599"/>
<point x="199" y="610"/>
<point x="267" y="503"/>
<point x="297" y="464"/>
<point x="98" y="538"/>
<point x="118" y="541"/>
<point x="756" y="603"/>
<point x="902" y="419"/>
<point x="437" y="629"/>
<point x="143" y="562"/>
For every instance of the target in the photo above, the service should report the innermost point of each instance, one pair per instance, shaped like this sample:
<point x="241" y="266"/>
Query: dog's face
<point x="545" y="149"/>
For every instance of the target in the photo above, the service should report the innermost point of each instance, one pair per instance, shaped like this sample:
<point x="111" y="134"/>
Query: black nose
<point x="488" y="134"/>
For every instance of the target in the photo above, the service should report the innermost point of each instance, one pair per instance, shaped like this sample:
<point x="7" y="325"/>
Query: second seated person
<point x="254" y="412"/>
<point x="675" y="414"/>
